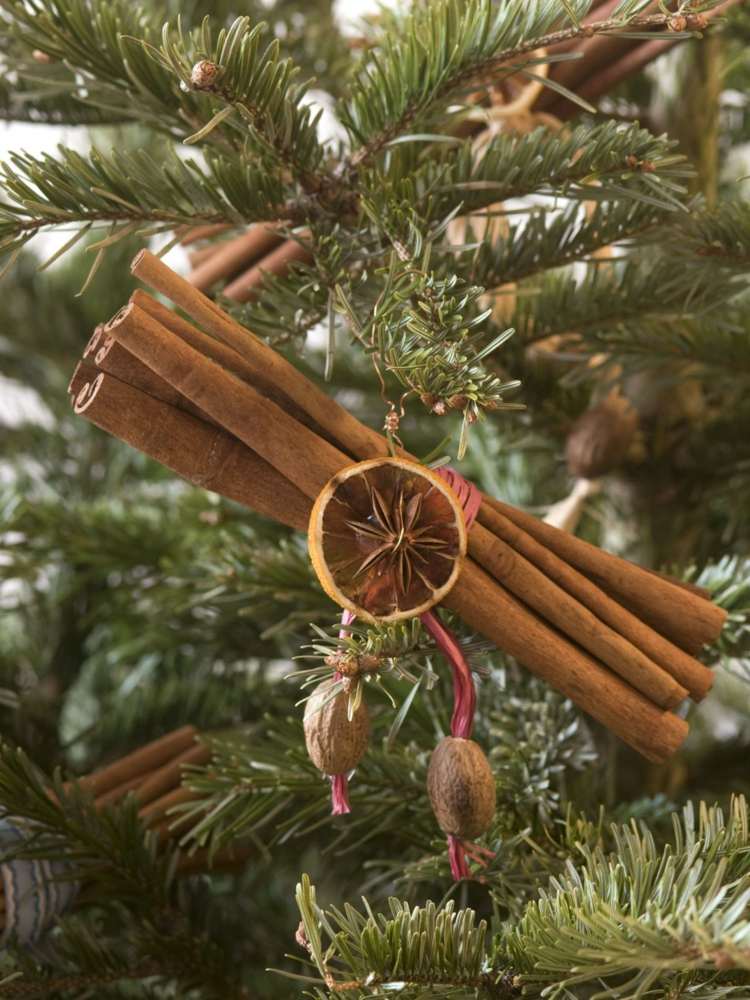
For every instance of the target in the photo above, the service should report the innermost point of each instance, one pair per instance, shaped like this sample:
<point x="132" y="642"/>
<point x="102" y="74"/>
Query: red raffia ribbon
<point x="464" y="693"/>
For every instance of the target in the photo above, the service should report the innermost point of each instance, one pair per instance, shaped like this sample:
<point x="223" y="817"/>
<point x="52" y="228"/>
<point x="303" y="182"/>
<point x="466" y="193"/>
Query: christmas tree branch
<point x="548" y="239"/>
<point x="414" y="949"/>
<point x="258" y="85"/>
<point x="644" y="915"/>
<point x="638" y="289"/>
<point x="134" y="192"/>
<point x="409" y="80"/>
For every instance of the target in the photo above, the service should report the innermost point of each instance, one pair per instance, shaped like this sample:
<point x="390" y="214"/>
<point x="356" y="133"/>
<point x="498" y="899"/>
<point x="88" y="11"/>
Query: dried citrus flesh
<point x="387" y="538"/>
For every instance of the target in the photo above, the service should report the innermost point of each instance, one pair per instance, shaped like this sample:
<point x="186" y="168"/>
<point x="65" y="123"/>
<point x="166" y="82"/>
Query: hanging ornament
<point x="461" y="787"/>
<point x="35" y="890"/>
<point x="597" y="444"/>
<point x="336" y="738"/>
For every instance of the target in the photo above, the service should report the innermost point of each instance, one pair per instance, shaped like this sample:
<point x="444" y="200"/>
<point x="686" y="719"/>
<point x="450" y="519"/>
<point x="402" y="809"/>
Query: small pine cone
<point x="600" y="439"/>
<point x="334" y="743"/>
<point x="42" y="57"/>
<point x="677" y="23"/>
<point x="461" y="788"/>
<point x="204" y="75"/>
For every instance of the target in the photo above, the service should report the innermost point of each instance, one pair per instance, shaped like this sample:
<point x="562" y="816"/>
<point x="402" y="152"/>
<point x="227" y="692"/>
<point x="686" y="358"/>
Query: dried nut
<point x="599" y="440"/>
<point x="335" y="744"/>
<point x="461" y="788"/>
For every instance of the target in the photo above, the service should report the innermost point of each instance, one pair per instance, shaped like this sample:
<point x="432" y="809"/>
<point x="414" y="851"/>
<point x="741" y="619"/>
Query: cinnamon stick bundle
<point x="551" y="596"/>
<point x="273" y="374"/>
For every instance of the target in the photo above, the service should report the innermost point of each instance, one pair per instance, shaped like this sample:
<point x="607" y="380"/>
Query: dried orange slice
<point x="387" y="538"/>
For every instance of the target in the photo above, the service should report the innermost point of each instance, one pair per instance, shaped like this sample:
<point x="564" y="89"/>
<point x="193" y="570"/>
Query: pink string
<point x="340" y="782"/>
<point x="464" y="692"/>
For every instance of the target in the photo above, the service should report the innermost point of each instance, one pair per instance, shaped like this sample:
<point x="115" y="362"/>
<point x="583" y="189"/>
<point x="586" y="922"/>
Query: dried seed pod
<point x="204" y="74"/>
<point x="335" y="743"/>
<point x="599" y="440"/>
<point x="461" y="788"/>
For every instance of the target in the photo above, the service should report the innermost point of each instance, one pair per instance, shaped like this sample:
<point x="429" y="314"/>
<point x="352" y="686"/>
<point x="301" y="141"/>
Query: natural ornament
<point x="218" y="406"/>
<point x="461" y="787"/>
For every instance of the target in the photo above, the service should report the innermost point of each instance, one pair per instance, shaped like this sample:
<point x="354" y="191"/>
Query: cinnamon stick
<point x="119" y="792"/>
<point x="527" y="582"/>
<point x="169" y="355"/>
<point x="158" y="815"/>
<point x="278" y="262"/>
<point x="695" y="676"/>
<point x="108" y="356"/>
<point x="293" y="449"/>
<point x="203" y="454"/>
<point x="205" y="232"/>
<point x="233" y="255"/>
<point x="340" y="425"/>
<point x="703" y="592"/>
<point x="223" y="355"/>
<point x="140" y="761"/>
<point x="197" y="257"/>
<point x="485" y="606"/>
<point x="686" y="619"/>
<point x="270" y="368"/>
<point x="167" y="777"/>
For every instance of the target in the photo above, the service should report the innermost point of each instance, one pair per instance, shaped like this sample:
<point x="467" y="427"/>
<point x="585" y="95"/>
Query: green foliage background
<point x="132" y="603"/>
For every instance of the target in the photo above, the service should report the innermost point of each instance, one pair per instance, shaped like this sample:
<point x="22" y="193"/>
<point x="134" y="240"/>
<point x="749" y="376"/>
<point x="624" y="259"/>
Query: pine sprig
<point x="639" y="287"/>
<point x="413" y="949"/>
<point x="644" y="916"/>
<point x="134" y="192"/>
<point x="250" y="77"/>
<point x="554" y="238"/>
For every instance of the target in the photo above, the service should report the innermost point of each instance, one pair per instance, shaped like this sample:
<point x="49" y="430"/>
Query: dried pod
<point x="204" y="75"/>
<point x="599" y="440"/>
<point x="335" y="743"/>
<point x="461" y="788"/>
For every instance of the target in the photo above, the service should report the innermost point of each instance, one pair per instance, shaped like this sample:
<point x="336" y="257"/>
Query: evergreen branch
<point x="447" y="47"/>
<point x="638" y="289"/>
<point x="108" y="849"/>
<point x="722" y="235"/>
<point x="606" y="161"/>
<point x="550" y="239"/>
<point x="422" y="329"/>
<point x="133" y="191"/>
<point x="435" y="948"/>
<point x="713" y="348"/>
<point x="642" y="916"/>
<point x="259" y="85"/>
<point x="729" y="583"/>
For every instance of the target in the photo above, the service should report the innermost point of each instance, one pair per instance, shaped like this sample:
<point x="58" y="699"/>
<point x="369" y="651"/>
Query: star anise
<point x="403" y="538"/>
